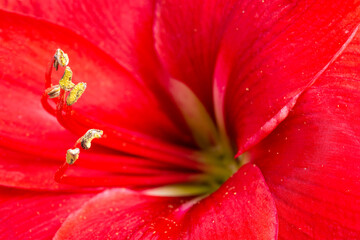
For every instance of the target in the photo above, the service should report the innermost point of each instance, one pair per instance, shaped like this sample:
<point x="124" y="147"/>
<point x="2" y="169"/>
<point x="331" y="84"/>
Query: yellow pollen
<point x="65" y="82"/>
<point x="72" y="155"/>
<point x="75" y="93"/>
<point x="54" y="91"/>
<point x="89" y="136"/>
<point x="60" y="58"/>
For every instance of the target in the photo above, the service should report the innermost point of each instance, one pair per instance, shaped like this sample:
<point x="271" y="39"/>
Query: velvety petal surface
<point x="241" y="208"/>
<point x="35" y="215"/>
<point x="271" y="51"/>
<point x="310" y="161"/>
<point x="124" y="31"/>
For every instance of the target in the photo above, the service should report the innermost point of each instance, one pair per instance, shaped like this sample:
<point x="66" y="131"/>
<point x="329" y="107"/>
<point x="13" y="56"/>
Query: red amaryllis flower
<point x="187" y="94"/>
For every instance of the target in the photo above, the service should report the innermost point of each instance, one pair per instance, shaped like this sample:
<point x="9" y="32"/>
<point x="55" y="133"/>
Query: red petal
<point x="34" y="215"/>
<point x="270" y="52"/>
<point x="310" y="161"/>
<point x="103" y="101"/>
<point x="242" y="208"/>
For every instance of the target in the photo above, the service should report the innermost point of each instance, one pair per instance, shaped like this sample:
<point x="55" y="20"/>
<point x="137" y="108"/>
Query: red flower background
<point x="280" y="78"/>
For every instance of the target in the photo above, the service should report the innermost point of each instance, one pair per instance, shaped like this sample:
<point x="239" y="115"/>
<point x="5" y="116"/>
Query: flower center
<point x="215" y="150"/>
<point x="156" y="167"/>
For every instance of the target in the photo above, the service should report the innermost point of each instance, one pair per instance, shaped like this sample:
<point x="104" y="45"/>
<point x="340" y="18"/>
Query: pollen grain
<point x="65" y="82"/>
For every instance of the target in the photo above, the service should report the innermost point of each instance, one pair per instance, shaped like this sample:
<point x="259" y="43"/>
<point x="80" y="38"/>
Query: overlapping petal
<point x="242" y="208"/>
<point x="311" y="161"/>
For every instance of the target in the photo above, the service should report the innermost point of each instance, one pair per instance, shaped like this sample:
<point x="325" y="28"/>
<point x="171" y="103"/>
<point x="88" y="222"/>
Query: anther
<point x="65" y="82"/>
<point x="60" y="58"/>
<point x="53" y="91"/>
<point x="75" y="93"/>
<point x="89" y="136"/>
<point x="72" y="155"/>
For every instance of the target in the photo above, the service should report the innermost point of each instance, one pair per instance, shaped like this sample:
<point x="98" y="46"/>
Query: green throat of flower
<point x="221" y="165"/>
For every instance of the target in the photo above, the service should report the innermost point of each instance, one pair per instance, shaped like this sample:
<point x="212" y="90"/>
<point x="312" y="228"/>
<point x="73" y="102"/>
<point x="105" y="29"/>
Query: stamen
<point x="75" y="93"/>
<point x="72" y="155"/>
<point x="89" y="136"/>
<point x="60" y="58"/>
<point x="65" y="82"/>
<point x="53" y="91"/>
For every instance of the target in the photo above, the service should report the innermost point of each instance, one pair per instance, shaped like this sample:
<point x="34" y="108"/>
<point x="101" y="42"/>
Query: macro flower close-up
<point x="180" y="119"/>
